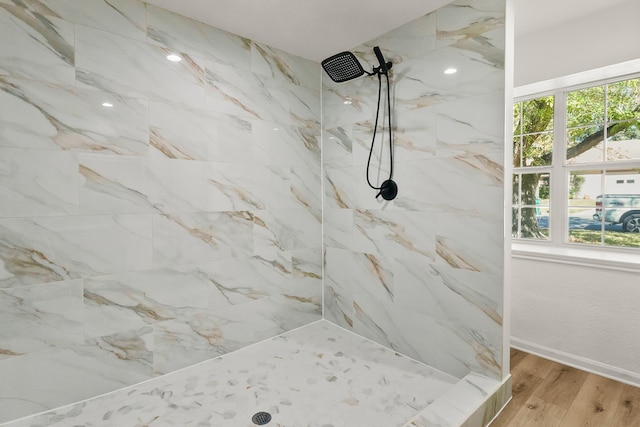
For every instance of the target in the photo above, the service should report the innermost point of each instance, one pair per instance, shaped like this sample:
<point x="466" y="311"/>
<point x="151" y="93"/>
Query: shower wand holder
<point x="382" y="70"/>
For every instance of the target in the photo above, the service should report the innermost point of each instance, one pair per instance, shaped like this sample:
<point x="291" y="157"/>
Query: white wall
<point x="582" y="44"/>
<point x="583" y="316"/>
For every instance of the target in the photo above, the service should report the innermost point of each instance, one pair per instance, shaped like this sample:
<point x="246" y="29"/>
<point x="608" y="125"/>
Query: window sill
<point x="584" y="257"/>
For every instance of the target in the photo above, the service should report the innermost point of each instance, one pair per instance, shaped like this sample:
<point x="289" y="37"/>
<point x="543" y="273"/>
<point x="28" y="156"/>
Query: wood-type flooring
<point x="549" y="394"/>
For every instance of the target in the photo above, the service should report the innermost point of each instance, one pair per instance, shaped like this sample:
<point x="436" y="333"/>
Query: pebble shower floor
<point x="317" y="376"/>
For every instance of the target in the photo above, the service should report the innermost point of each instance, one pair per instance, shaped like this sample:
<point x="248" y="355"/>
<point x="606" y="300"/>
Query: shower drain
<point x="261" y="418"/>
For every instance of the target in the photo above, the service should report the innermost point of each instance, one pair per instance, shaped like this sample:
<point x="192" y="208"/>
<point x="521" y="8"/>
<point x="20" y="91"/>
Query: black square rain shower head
<point x="342" y="67"/>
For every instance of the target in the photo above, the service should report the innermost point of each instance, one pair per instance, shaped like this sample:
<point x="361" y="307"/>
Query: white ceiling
<point x="313" y="29"/>
<point x="316" y="29"/>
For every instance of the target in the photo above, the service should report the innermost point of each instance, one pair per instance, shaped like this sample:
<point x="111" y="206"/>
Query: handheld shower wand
<point x="345" y="66"/>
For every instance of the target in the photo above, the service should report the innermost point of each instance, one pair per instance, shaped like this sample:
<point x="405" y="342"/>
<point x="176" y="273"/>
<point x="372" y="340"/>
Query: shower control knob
<point x="388" y="190"/>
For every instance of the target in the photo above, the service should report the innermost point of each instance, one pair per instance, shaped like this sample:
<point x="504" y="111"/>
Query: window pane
<point x="517" y="109"/>
<point x="623" y="142"/>
<point x="585" y="107"/>
<point x="584" y="207"/>
<point x="517" y="152"/>
<point x="515" y="220"/>
<point x="534" y="189"/>
<point x="622" y="182"/>
<point x="585" y="144"/>
<point x="584" y="227"/>
<point x="623" y="239"/>
<point x="623" y="100"/>
<point x="537" y="149"/>
<point x="516" y="190"/>
<point x="537" y="115"/>
<point x="622" y="208"/>
<point x="532" y="226"/>
<point x="584" y="188"/>
<point x="531" y="214"/>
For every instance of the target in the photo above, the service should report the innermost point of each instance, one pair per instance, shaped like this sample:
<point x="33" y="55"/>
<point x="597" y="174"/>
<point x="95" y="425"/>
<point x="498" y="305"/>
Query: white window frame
<point x="556" y="248"/>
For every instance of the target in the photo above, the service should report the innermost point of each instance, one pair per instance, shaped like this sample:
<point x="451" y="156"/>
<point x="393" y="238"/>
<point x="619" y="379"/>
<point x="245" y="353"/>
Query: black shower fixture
<point x="344" y="67"/>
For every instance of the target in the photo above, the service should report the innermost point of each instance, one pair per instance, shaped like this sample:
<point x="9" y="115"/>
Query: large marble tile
<point x="306" y="190"/>
<point x="124" y="17"/>
<point x="59" y="376"/>
<point x="37" y="183"/>
<point x="178" y="186"/>
<point x="245" y="94"/>
<point x="240" y="280"/>
<point x="360" y="273"/>
<point x="469" y="185"/>
<point x="210" y="334"/>
<point x="349" y="102"/>
<point x="111" y="63"/>
<point x="247" y="187"/>
<point x="363" y="141"/>
<point x="474" y="25"/>
<point x="439" y="290"/>
<point x="42" y="250"/>
<point x="415" y="134"/>
<point x="307" y="263"/>
<point x="114" y="185"/>
<point x="393" y="234"/>
<point x="466" y="306"/>
<point x="318" y="375"/>
<point x="122" y="302"/>
<point x="180" y="133"/>
<point x="422" y="82"/>
<point x="277" y="230"/>
<point x="404" y="331"/>
<point x="404" y="43"/>
<point x="191" y="238"/>
<point x="37" y="317"/>
<point x="183" y="34"/>
<point x="280" y="145"/>
<point x="473" y="126"/>
<point x="476" y="246"/>
<point x="337" y="147"/>
<point x="304" y="106"/>
<point x="41" y="47"/>
<point x="338" y="228"/>
<point x="464" y="348"/>
<point x="285" y="67"/>
<point x="347" y="188"/>
<point x="53" y="117"/>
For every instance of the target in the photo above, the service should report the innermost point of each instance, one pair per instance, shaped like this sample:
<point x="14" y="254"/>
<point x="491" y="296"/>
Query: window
<point x="576" y="166"/>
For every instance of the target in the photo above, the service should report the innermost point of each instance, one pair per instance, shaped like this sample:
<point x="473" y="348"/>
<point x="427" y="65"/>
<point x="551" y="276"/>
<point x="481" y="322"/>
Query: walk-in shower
<point x="345" y="66"/>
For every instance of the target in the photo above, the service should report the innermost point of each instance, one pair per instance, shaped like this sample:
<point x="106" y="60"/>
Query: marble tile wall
<point x="422" y="274"/>
<point x="182" y="223"/>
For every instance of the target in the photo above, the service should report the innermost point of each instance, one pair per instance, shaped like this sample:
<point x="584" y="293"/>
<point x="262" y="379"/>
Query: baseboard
<point x="592" y="366"/>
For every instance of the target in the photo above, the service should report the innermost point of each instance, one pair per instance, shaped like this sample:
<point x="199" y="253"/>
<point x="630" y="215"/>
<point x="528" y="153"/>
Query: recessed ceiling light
<point x="174" y="58"/>
<point x="107" y="104"/>
<point x="451" y="70"/>
<point x="347" y="101"/>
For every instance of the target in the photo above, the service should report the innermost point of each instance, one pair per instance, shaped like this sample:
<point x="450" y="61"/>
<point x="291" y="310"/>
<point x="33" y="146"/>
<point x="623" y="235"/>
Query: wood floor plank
<point x="537" y="412"/>
<point x="516" y="356"/>
<point x="549" y="394"/>
<point x="561" y="386"/>
<point x="596" y="404"/>
<point x="534" y="365"/>
<point x="523" y="386"/>
<point x="628" y="412"/>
